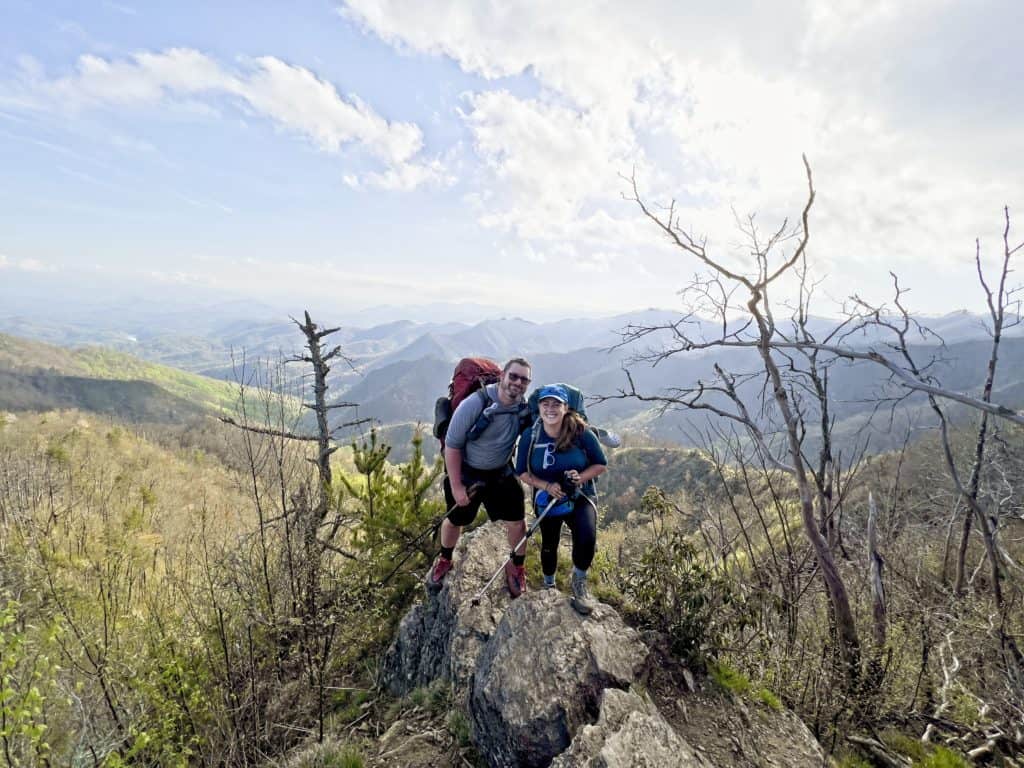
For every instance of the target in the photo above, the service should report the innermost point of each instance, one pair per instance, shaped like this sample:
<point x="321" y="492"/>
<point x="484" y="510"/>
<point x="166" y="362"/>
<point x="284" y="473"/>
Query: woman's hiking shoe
<point x="515" y="576"/>
<point x="441" y="567"/>
<point x="581" y="600"/>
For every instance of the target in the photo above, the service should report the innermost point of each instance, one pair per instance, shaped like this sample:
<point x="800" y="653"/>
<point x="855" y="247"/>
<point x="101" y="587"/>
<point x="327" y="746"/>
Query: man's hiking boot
<point x="549" y="581"/>
<point x="515" y="576"/>
<point x="437" y="573"/>
<point x="581" y="600"/>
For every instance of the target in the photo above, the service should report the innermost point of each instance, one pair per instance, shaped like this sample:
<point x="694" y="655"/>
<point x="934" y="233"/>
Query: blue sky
<point x="399" y="152"/>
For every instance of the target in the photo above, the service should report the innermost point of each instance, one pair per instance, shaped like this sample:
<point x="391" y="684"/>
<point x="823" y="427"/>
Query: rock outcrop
<point x="543" y="686"/>
<point x="443" y="636"/>
<point x="541" y="675"/>
<point x="630" y="733"/>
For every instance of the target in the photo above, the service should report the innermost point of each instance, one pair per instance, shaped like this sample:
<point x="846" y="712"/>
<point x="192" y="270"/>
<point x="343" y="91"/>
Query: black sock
<point x="518" y="559"/>
<point x="446" y="552"/>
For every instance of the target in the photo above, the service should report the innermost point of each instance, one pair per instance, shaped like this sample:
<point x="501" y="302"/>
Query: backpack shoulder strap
<point x="533" y="443"/>
<point x="485" y="396"/>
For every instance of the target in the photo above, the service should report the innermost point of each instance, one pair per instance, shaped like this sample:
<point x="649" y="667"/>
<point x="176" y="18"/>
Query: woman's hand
<point x="573" y="477"/>
<point x="554" y="490"/>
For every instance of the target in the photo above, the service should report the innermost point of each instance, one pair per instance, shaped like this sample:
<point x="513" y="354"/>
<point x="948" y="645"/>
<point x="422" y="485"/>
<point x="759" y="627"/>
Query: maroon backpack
<point x="471" y="374"/>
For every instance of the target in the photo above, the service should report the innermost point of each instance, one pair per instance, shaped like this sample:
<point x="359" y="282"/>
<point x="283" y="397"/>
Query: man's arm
<point x="455" y="445"/>
<point x="453" y="465"/>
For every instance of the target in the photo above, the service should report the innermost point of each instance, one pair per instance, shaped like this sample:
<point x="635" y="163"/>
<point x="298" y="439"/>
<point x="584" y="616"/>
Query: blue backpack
<point x="575" y="401"/>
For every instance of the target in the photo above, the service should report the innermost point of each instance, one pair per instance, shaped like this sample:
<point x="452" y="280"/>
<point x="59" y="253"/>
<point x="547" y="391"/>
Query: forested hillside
<point x="166" y="578"/>
<point x="179" y="590"/>
<point x="37" y="376"/>
<point x="128" y="567"/>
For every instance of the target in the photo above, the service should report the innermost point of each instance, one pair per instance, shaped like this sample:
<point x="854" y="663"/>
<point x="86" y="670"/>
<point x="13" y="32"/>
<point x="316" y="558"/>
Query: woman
<point x="560" y="457"/>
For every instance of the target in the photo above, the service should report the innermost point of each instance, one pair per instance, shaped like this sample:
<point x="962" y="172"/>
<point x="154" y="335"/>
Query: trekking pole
<point x="529" y="532"/>
<point x="410" y="547"/>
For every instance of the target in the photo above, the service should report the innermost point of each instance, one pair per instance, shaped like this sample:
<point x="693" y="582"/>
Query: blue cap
<point x="556" y="391"/>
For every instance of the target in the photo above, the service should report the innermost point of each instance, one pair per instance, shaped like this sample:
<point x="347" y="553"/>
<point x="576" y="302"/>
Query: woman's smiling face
<point x="552" y="410"/>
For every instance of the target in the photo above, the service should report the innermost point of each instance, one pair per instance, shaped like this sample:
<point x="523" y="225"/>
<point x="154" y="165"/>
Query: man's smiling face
<point x="514" y="381"/>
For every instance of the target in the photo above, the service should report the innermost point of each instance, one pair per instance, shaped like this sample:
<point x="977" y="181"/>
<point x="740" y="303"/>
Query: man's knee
<point x="462" y="516"/>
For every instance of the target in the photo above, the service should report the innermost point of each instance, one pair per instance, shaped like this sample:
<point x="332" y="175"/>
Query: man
<point x="478" y="446"/>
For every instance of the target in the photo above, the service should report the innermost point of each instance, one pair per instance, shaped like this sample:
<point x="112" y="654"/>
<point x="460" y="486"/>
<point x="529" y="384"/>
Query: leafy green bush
<point x="729" y="678"/>
<point x="28" y="675"/>
<point x="348" y="704"/>
<point x="458" y="726"/>
<point x="671" y="590"/>
<point x="396" y="506"/>
<point x="905" y="745"/>
<point x="57" y="453"/>
<point x="768" y="698"/>
<point x="944" y="758"/>
<point x="438" y="695"/>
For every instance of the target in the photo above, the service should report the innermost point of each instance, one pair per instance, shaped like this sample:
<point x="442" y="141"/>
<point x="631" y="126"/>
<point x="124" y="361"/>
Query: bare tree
<point x="998" y="302"/>
<point x="784" y="407"/>
<point x="713" y="291"/>
<point x="311" y="526"/>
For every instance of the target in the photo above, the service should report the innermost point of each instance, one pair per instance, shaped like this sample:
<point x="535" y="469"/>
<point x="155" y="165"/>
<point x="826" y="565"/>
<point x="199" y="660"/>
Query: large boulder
<point x="442" y="637"/>
<point x="544" y="686"/>
<point x="541" y="675"/>
<point x="630" y="733"/>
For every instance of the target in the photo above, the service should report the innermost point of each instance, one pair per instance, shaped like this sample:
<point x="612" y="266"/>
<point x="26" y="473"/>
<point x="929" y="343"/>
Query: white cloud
<point x="127" y="10"/>
<point x="300" y="101"/>
<point x="293" y="97"/>
<point x="195" y="202"/>
<point x="408" y="176"/>
<point x="547" y="159"/>
<point x="715" y="107"/>
<point x="25" y="265"/>
<point x="182" y="278"/>
<point x="132" y="144"/>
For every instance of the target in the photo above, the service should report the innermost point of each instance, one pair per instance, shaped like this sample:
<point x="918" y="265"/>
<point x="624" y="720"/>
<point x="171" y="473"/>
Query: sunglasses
<point x="518" y="377"/>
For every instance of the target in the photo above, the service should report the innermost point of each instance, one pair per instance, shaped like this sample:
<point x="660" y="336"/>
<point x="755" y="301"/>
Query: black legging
<point x="583" y="524"/>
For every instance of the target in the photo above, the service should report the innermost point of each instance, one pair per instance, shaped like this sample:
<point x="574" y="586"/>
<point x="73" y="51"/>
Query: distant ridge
<point x="38" y="376"/>
<point x="132" y="401"/>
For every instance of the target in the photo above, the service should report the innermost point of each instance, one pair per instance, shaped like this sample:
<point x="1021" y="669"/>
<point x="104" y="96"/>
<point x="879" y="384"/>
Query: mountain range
<point x="396" y="369"/>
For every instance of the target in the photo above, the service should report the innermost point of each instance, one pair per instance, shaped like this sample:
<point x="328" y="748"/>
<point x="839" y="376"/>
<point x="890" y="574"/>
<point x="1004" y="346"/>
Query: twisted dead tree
<point x="791" y="380"/>
<point x="312" y="527"/>
<point x="712" y="294"/>
<point x="998" y="301"/>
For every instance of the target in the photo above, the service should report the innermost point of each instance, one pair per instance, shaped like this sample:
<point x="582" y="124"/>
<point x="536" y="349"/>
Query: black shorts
<point x="501" y="495"/>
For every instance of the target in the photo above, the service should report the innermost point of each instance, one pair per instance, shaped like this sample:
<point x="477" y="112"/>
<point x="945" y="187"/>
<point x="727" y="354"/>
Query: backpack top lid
<point x="471" y="373"/>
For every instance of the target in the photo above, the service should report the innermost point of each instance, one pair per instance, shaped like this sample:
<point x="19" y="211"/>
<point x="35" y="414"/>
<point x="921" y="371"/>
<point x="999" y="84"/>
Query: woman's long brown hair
<point x="572" y="427"/>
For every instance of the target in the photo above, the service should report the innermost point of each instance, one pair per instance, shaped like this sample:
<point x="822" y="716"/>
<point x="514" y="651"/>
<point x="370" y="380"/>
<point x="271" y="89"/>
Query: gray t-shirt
<point x="493" y="447"/>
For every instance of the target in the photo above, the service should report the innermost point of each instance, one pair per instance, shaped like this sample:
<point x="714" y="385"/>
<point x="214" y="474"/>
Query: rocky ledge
<point x="544" y="686"/>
